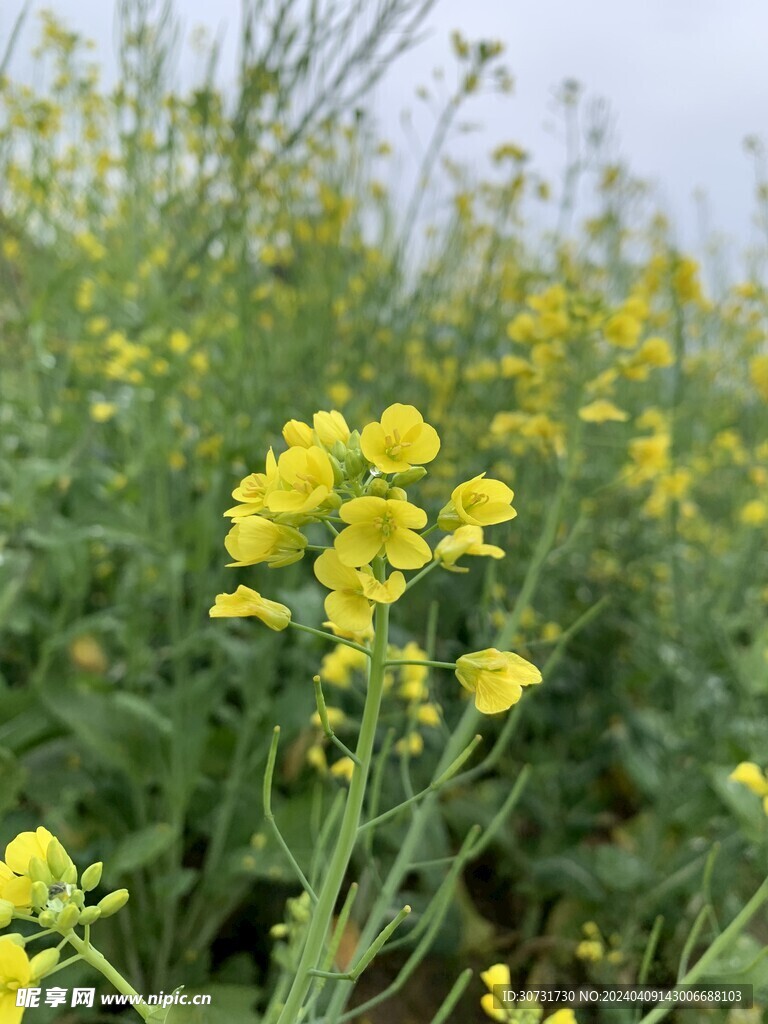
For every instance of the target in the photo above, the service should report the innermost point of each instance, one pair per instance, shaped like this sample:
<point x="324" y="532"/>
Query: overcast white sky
<point x="686" y="79"/>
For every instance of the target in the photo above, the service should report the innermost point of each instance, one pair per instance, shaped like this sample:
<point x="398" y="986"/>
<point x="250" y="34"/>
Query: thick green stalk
<point x="314" y="947"/>
<point x="92" y="956"/>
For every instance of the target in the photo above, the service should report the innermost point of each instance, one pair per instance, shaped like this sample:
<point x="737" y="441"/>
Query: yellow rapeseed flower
<point x="382" y="522"/>
<point x="307" y="474"/>
<point x="496" y="678"/>
<point x="330" y="427"/>
<point x="352" y="591"/>
<point x="246" y="602"/>
<point x="102" y="412"/>
<point x="752" y="776"/>
<point x="254" y="490"/>
<point x="602" y="411"/>
<point x="466" y="540"/>
<point x="254" y="540"/>
<point x="298" y="434"/>
<point x="402" y="439"/>
<point x="623" y="330"/>
<point x="479" y="502"/>
<point x="754" y="513"/>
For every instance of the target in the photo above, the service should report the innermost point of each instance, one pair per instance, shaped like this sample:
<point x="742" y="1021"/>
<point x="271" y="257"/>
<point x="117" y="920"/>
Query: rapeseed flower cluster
<point x="352" y="484"/>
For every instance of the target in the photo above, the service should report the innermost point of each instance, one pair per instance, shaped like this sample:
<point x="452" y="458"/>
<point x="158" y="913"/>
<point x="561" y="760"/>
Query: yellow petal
<point x="17" y="891"/>
<point x="20" y="851"/>
<point x="407" y="550"/>
<point x="358" y="544"/>
<point x="332" y="572"/>
<point x="363" y="510"/>
<point x="495" y="694"/>
<point x="498" y="974"/>
<point x="384" y="593"/>
<point x="400" y="418"/>
<point x="424" y="446"/>
<point x="348" y="611"/>
<point x="405" y="514"/>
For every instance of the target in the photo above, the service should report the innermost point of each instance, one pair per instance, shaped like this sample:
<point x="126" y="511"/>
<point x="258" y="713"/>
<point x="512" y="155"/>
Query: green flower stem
<point x="718" y="947"/>
<point x="330" y="636"/>
<point x="317" y="933"/>
<point x="430" y="664"/>
<point x="99" y="962"/>
<point x="270" y="818"/>
<point x="423" y="573"/>
<point x="322" y="711"/>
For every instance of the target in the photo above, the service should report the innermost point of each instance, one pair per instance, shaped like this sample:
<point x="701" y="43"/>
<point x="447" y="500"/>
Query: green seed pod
<point x="113" y="902"/>
<point x="39" y="895"/>
<point x="68" y="918"/>
<point x="378" y="487"/>
<point x="44" y="962"/>
<point x="46" y="919"/>
<point x="6" y="913"/>
<point x="58" y="860"/>
<point x="410" y="476"/>
<point x="397" y="494"/>
<point x="89" y="915"/>
<point x="91" y="877"/>
<point x="39" y="871"/>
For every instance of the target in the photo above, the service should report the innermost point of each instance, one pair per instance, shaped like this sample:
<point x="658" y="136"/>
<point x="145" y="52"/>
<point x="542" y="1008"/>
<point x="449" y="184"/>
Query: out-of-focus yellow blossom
<point x="602" y="411"/>
<point x="179" y="342"/>
<point x="412" y="745"/>
<point x="514" y="366"/>
<point x="429" y="715"/>
<point x="653" y="354"/>
<point x="747" y="774"/>
<point x="478" y="502"/>
<point x="245" y="602"/>
<point x="102" y="412"/>
<point x="254" y="489"/>
<point x="338" y="666"/>
<point x="88" y="655"/>
<point x="339" y="393"/>
<point x="754" y="513"/>
<point x="344" y="769"/>
<point x="522" y="328"/>
<point x="254" y="540"/>
<point x="336" y="718"/>
<point x="352" y="591"/>
<point x="382" y="522"/>
<point x="650" y="455"/>
<point x="590" y="950"/>
<point x="316" y="757"/>
<point x="758" y="374"/>
<point x="623" y="330"/>
<point x="466" y="540"/>
<point x="496" y="678"/>
<point x="401" y="440"/>
<point x="413" y="678"/>
<point x="308" y="475"/>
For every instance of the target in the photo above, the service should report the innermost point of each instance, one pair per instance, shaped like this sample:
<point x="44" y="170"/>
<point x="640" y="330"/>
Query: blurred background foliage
<point x="182" y="271"/>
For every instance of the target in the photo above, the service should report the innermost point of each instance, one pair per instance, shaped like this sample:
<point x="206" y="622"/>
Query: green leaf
<point x="12" y="777"/>
<point x="140" y="849"/>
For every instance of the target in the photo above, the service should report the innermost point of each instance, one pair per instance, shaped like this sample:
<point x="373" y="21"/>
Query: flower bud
<point x="113" y="902"/>
<point x="339" y="451"/>
<point x="68" y="918"/>
<point x="39" y="871"/>
<point x="354" y="464"/>
<point x="91" y="877"/>
<point x="70" y="875"/>
<point x="58" y="860"/>
<point x="333" y="500"/>
<point x="396" y="494"/>
<point x="6" y="913"/>
<point x="44" y="962"/>
<point x="89" y="915"/>
<point x="410" y="476"/>
<point x="338" y="472"/>
<point x="39" y="896"/>
<point x="46" y="919"/>
<point x="378" y="487"/>
<point x="448" y="518"/>
<point x="78" y="898"/>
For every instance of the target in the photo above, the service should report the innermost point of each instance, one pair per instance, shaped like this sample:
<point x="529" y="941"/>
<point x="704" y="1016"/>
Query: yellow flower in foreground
<point x="245" y="602"/>
<point x="254" y="540"/>
<point x="349" y="604"/>
<point x="402" y="439"/>
<point x="20" y="851"/>
<point x="479" y="502"/>
<point x="602" y="411"/>
<point x="16" y="890"/>
<point x="467" y="540"/>
<point x="330" y="427"/>
<point x="15" y="973"/>
<point x="253" y="490"/>
<point x="382" y="522"/>
<point x="308" y="475"/>
<point x="498" y="976"/>
<point x="496" y="678"/>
